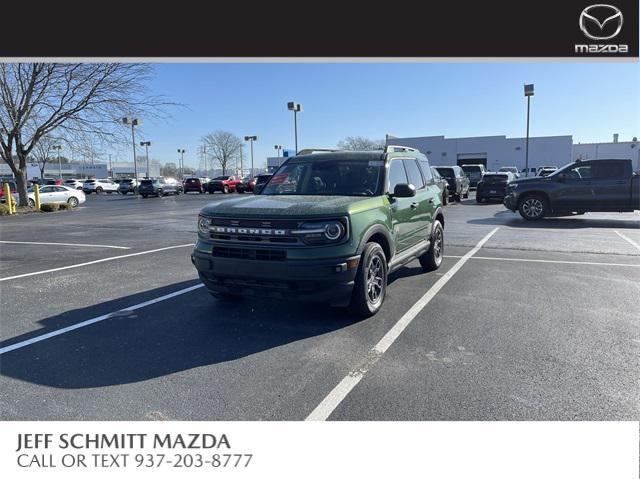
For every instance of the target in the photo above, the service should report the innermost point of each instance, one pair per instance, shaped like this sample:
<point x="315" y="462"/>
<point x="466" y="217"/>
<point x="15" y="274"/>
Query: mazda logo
<point x="600" y="21"/>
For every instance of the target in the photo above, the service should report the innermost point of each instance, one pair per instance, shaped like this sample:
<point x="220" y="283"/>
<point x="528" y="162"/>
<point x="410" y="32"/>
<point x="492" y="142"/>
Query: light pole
<point x="181" y="151"/>
<point x="146" y="145"/>
<point x="278" y="149"/>
<point x="528" y="92"/>
<point x="204" y="156"/>
<point x="133" y="122"/>
<point x="59" y="147"/>
<point x="295" y="108"/>
<point x="251" y="139"/>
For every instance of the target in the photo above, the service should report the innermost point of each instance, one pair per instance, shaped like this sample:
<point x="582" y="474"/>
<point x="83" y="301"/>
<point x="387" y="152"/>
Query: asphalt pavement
<point x="540" y="323"/>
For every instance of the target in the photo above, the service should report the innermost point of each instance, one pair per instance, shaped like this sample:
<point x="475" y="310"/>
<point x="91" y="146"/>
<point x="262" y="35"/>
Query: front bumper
<point x="510" y="202"/>
<point x="328" y="281"/>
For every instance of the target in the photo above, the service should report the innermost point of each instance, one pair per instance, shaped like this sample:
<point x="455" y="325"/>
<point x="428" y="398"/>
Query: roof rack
<point x="309" y="151"/>
<point x="395" y="148"/>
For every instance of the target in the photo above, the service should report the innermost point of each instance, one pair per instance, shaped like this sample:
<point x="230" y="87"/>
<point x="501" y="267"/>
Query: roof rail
<point x="394" y="148"/>
<point x="309" y="151"/>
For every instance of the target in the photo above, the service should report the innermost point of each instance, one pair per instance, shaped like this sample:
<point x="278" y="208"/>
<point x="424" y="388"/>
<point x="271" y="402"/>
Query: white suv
<point x="72" y="183"/>
<point x="98" y="186"/>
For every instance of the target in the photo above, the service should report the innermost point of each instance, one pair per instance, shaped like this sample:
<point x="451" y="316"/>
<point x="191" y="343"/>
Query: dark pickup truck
<point x="593" y="185"/>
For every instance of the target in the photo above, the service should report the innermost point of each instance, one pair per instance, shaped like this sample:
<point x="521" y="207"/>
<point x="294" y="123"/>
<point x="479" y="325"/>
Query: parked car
<point x="327" y="227"/>
<point x="475" y="173"/>
<point x="128" y="185"/>
<point x="457" y="179"/>
<point x="510" y="169"/>
<point x="531" y="170"/>
<point x="225" y="183"/>
<point x="173" y="183"/>
<point x="158" y="187"/>
<point x="546" y="170"/>
<point x="56" y="194"/>
<point x="442" y="184"/>
<point x="493" y="186"/>
<point x="98" y="186"/>
<point x="193" y="184"/>
<point x="593" y="185"/>
<point x="248" y="184"/>
<point x="261" y="180"/>
<point x="12" y="186"/>
<point x="73" y="183"/>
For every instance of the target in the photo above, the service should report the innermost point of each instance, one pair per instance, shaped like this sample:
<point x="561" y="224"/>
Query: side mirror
<point x="404" y="190"/>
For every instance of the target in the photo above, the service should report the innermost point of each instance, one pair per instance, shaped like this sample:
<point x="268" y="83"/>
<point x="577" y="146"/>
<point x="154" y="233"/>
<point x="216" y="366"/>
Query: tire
<point x="73" y="202"/>
<point x="371" y="282"/>
<point x="466" y="195"/>
<point x="98" y="190"/>
<point x="144" y="196"/>
<point x="432" y="259"/>
<point x="445" y="197"/>
<point x="160" y="193"/>
<point x="225" y="189"/>
<point x="31" y="203"/>
<point x="178" y="192"/>
<point x="456" y="197"/>
<point x="479" y="199"/>
<point x="533" y="207"/>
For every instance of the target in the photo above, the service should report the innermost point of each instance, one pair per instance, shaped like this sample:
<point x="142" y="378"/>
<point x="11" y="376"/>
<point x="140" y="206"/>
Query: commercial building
<point x="65" y="170"/>
<point x="497" y="151"/>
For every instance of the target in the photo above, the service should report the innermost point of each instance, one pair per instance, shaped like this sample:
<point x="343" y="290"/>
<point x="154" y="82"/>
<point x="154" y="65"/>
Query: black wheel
<point x="73" y="201"/>
<point x="371" y="282"/>
<point x="144" y="196"/>
<point x="466" y="195"/>
<point x="445" y="197"/>
<point x="533" y="207"/>
<point x="240" y="192"/>
<point x="178" y="191"/>
<point x="31" y="203"/>
<point x="432" y="259"/>
<point x="225" y="189"/>
<point x="456" y="197"/>
<point x="160" y="193"/>
<point x="98" y="190"/>
<point x="479" y="199"/>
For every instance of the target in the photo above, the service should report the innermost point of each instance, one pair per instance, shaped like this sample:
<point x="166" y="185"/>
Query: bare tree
<point x="360" y="143"/>
<point x="43" y="151"/>
<point x="223" y="146"/>
<point x="73" y="98"/>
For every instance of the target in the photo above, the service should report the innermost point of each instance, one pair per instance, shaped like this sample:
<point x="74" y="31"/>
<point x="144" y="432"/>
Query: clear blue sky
<point x="590" y="101"/>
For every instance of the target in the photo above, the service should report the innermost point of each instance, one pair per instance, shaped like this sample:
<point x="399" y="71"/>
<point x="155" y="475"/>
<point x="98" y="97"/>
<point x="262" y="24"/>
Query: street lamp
<point x="251" y="139"/>
<point x="528" y="92"/>
<point x="182" y="152"/>
<point x="146" y="145"/>
<point x="133" y="122"/>
<point x="58" y="147"/>
<point x="295" y="108"/>
<point x="278" y="149"/>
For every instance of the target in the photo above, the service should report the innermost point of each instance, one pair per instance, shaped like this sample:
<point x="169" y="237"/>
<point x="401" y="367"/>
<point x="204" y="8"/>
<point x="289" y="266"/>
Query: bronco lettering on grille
<point x="249" y="231"/>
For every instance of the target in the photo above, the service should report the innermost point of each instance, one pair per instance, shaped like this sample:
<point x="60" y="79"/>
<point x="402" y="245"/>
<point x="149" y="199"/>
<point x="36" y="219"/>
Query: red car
<point x="12" y="185"/>
<point x="225" y="183"/>
<point x="248" y="184"/>
<point x="193" y="184"/>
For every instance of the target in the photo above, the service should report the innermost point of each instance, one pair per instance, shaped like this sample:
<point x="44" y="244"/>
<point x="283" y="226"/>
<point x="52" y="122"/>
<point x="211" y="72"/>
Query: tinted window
<point x="397" y="174"/>
<point x="426" y="171"/>
<point x="413" y="172"/>
<point x="579" y="172"/>
<point x="146" y="182"/>
<point x="435" y="173"/>
<point x="446" y="172"/>
<point x="46" y="189"/>
<point x="609" y="170"/>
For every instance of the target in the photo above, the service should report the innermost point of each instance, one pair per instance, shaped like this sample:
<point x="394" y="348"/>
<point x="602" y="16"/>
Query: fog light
<point x="353" y="262"/>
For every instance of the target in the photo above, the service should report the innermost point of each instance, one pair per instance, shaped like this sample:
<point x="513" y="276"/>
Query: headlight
<point x="322" y="232"/>
<point x="203" y="225"/>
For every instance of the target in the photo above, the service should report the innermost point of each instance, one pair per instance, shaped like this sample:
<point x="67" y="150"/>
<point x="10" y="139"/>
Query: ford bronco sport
<point x="327" y="227"/>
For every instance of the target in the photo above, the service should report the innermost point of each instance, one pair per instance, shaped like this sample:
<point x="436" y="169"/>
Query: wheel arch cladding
<point x="380" y="235"/>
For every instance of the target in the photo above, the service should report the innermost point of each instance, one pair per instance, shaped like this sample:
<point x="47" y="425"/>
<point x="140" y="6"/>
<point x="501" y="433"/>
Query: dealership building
<point x="497" y="151"/>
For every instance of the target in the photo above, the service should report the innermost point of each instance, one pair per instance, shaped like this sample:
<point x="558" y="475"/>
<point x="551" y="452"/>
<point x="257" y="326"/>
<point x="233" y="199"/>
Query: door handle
<point x="414" y="205"/>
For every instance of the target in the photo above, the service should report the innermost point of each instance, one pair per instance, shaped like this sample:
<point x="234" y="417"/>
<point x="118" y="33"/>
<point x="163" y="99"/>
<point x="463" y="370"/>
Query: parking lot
<point x="105" y="319"/>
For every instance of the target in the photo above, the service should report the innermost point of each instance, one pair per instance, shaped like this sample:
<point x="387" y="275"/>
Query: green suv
<point x="328" y="227"/>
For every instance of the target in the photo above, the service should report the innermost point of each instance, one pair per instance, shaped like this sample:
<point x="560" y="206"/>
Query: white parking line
<point x="627" y="239"/>
<point x="97" y="319"/>
<point x="79" y="265"/>
<point x="548" y="261"/>
<point x="66" y="244"/>
<point x="337" y="395"/>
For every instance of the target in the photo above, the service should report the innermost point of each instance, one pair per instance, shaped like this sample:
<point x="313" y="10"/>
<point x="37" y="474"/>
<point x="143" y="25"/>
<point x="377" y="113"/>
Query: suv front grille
<point x="255" y="237"/>
<point x="250" y="254"/>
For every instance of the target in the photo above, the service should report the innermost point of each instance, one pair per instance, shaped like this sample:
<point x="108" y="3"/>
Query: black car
<point x="442" y="184"/>
<point x="457" y="179"/>
<point x="581" y="186"/>
<point x="493" y="186"/>
<point x="158" y="187"/>
<point x="194" y="184"/>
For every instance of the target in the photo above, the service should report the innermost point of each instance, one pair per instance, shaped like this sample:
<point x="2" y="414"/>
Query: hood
<point x="533" y="179"/>
<point x="290" y="205"/>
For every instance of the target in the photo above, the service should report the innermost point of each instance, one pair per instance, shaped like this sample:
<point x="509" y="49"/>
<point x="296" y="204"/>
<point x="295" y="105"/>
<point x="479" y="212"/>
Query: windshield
<point x="327" y="178"/>
<point x="471" y="169"/>
<point x="495" y="178"/>
<point x="221" y="177"/>
<point x="559" y="170"/>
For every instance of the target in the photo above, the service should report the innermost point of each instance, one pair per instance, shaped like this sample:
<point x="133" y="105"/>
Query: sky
<point x="590" y="101"/>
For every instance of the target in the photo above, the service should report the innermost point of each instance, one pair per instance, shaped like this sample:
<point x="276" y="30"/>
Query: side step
<point x="408" y="255"/>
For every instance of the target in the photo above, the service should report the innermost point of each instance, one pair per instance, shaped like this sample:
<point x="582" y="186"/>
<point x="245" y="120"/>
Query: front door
<point x="577" y="191"/>
<point x="402" y="209"/>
